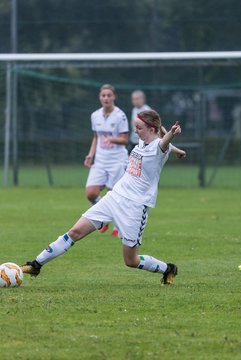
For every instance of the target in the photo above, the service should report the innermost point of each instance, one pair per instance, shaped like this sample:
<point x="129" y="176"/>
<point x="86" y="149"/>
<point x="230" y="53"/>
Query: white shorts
<point x="128" y="216"/>
<point x="99" y="175"/>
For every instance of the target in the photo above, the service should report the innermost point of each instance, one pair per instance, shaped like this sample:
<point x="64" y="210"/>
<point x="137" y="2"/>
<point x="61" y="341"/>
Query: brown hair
<point x="108" y="87"/>
<point x="163" y="131"/>
<point x="151" y="118"/>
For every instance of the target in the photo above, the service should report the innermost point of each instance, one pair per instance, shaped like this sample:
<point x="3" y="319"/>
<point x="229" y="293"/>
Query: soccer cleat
<point x="114" y="232"/>
<point x="103" y="229"/>
<point x="31" y="267"/>
<point x="169" y="274"/>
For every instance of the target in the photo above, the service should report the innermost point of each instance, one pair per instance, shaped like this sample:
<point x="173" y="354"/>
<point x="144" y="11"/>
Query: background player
<point x="138" y="99"/>
<point x="127" y="204"/>
<point x="108" y="151"/>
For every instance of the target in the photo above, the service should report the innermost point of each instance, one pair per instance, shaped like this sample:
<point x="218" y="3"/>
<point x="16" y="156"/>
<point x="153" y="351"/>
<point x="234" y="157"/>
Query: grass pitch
<point x="174" y="175"/>
<point x="88" y="305"/>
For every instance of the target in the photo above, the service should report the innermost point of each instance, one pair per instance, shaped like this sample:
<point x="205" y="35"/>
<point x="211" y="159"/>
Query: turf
<point x="88" y="305"/>
<point x="178" y="175"/>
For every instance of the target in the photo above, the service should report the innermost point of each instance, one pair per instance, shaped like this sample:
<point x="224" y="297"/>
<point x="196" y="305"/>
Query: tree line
<point x="111" y="26"/>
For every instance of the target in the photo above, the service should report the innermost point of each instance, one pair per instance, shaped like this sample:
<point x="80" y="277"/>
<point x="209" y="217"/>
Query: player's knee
<point x="130" y="262"/>
<point x="90" y="197"/>
<point x="91" y="194"/>
<point x="75" y="233"/>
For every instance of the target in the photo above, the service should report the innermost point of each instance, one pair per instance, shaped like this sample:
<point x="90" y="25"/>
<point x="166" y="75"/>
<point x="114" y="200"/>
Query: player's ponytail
<point x="163" y="131"/>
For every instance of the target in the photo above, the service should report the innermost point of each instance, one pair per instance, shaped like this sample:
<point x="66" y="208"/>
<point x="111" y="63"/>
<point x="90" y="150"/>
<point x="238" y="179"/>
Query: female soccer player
<point x="127" y="204"/>
<point x="138" y="99"/>
<point x="110" y="127"/>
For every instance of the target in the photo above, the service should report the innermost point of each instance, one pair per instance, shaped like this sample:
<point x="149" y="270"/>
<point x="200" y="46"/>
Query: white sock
<point x="57" y="248"/>
<point x="149" y="263"/>
<point x="93" y="202"/>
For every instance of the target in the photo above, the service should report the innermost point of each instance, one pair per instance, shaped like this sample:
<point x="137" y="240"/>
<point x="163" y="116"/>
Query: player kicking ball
<point x="127" y="204"/>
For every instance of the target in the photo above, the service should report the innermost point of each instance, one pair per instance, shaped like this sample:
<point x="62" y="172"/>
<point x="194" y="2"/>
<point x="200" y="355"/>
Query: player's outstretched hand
<point x="176" y="129"/>
<point x="88" y="160"/>
<point x="181" y="154"/>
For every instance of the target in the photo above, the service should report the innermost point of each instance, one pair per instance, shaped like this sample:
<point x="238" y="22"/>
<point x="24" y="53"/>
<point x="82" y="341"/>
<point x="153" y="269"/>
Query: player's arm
<point x="89" y="158"/>
<point x="167" y="138"/>
<point x="178" y="152"/>
<point x="121" y="139"/>
<point x="181" y="154"/>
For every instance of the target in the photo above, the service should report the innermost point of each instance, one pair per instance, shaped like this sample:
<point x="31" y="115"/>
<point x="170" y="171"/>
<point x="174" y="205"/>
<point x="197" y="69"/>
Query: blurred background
<point x="45" y="106"/>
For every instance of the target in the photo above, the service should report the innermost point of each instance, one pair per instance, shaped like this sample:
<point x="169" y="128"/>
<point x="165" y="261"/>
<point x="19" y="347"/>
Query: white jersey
<point x="140" y="181"/>
<point x="112" y="125"/>
<point x="134" y="137"/>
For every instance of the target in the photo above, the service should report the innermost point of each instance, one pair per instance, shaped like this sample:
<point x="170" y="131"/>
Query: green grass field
<point x="88" y="305"/>
<point x="178" y="175"/>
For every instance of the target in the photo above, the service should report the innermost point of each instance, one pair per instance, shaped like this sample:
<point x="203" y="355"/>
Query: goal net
<point x="45" y="129"/>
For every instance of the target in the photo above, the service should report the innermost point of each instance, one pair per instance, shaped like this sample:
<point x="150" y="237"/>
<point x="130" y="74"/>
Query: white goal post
<point x="199" y="55"/>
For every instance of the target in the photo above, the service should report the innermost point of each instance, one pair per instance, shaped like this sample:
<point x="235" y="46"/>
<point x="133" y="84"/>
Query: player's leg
<point x="93" y="193"/>
<point x="131" y="219"/>
<point x="114" y="174"/>
<point x="145" y="262"/>
<point x="82" y="228"/>
<point x="149" y="263"/>
<point x="96" y="181"/>
<point x="91" y="220"/>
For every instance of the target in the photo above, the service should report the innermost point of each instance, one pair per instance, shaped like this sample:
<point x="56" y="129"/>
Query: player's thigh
<point x="97" y="176"/>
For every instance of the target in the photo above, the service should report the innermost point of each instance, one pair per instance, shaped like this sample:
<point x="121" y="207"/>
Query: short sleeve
<point x="162" y="152"/>
<point x="93" y="123"/>
<point x="123" y="126"/>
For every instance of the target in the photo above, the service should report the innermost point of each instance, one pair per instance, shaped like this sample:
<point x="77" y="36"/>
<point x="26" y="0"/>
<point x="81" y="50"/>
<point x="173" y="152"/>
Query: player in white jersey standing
<point x="138" y="100"/>
<point x="127" y="204"/>
<point x="108" y="151"/>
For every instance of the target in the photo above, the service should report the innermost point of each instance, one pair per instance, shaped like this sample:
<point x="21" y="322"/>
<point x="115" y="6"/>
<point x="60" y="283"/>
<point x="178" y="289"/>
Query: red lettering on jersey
<point x="135" y="164"/>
